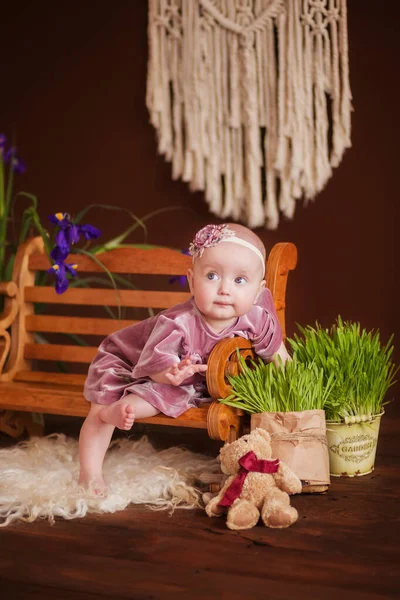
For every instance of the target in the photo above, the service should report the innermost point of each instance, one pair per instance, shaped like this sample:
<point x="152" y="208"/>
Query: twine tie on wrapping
<point x="249" y="463"/>
<point x="299" y="436"/>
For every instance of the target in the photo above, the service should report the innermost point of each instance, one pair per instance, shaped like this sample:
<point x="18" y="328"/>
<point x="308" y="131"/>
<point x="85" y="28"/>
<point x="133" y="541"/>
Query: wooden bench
<point x="47" y="331"/>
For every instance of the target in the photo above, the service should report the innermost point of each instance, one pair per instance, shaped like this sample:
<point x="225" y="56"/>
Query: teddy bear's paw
<point x="242" y="515"/>
<point x="212" y="508"/>
<point x="207" y="497"/>
<point x="294" y="485"/>
<point x="278" y="516"/>
<point x="288" y="481"/>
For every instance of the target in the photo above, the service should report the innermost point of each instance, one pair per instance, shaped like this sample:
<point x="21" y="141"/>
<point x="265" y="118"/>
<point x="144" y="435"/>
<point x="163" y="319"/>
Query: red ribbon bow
<point x="249" y="463"/>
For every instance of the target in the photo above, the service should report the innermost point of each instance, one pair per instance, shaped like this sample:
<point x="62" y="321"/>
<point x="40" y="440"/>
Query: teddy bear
<point x="257" y="485"/>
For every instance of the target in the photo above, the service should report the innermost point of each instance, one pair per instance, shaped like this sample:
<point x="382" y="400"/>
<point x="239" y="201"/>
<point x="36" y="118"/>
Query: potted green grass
<point x="360" y="371"/>
<point x="288" y="401"/>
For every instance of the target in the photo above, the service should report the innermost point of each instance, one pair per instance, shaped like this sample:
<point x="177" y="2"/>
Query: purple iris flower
<point x="58" y="255"/>
<point x="60" y="269"/>
<point x="69" y="233"/>
<point x="18" y="165"/>
<point x="3" y="141"/>
<point x="66" y="237"/>
<point x="10" y="156"/>
<point x="182" y="279"/>
<point x="60" y="219"/>
<point x="90" y="232"/>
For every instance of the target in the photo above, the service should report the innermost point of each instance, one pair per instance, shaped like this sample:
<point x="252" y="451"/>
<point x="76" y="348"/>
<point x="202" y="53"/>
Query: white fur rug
<point x="38" y="479"/>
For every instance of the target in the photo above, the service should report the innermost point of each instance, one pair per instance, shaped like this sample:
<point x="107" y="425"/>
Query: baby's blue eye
<point x="212" y="276"/>
<point x="240" y="280"/>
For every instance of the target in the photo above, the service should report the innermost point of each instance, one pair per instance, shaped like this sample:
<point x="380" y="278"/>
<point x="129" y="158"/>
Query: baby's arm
<point x="283" y="355"/>
<point x="267" y="342"/>
<point x="176" y="374"/>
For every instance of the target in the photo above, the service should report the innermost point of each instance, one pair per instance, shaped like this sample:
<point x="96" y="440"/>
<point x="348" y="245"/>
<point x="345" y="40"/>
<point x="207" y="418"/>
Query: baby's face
<point x="225" y="283"/>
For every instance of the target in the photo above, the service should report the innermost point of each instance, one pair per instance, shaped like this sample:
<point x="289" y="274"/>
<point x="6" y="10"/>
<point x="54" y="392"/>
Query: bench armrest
<point x="7" y="317"/>
<point x="281" y="260"/>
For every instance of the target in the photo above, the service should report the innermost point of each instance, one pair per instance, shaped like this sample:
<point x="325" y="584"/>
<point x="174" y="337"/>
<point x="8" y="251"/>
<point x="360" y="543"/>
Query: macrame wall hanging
<point x="250" y="99"/>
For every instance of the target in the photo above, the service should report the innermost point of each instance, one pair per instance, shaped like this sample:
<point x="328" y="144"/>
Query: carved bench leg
<point x="224" y="422"/>
<point x="10" y="424"/>
<point x="14" y="424"/>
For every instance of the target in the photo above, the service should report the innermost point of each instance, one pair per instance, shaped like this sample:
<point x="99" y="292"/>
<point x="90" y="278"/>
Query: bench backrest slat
<point x="103" y="297"/>
<point x="42" y="377"/>
<point x="77" y="325"/>
<point x="154" y="261"/>
<point x="58" y="352"/>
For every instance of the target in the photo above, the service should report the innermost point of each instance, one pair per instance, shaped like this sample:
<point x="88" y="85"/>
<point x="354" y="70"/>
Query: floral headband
<point x="212" y="235"/>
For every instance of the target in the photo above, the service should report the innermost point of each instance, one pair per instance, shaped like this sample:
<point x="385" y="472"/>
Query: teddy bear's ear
<point x="262" y="433"/>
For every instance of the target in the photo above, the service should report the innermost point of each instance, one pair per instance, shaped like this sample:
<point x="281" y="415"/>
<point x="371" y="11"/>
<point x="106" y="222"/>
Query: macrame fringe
<point x="250" y="99"/>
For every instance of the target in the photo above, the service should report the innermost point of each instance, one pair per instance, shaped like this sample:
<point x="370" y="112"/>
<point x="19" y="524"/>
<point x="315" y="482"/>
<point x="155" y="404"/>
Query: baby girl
<point x="159" y="364"/>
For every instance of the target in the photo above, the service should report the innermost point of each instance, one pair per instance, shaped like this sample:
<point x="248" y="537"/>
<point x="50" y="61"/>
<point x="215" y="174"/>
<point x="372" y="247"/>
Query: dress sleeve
<point x="111" y="369"/>
<point x="162" y="350"/>
<point x="268" y="332"/>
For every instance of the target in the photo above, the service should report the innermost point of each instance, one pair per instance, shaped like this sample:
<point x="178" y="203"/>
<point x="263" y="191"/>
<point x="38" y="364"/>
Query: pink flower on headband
<point x="209" y="236"/>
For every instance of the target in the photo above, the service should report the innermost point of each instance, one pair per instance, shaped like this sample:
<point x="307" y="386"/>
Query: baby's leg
<point x="123" y="413"/>
<point x="94" y="439"/>
<point x="97" y="430"/>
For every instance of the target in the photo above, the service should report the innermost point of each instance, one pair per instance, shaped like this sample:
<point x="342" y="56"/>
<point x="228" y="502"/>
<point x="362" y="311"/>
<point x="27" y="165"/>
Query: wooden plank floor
<point x="344" y="545"/>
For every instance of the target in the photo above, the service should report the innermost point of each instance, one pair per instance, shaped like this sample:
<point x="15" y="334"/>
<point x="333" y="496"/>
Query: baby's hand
<point x="182" y="370"/>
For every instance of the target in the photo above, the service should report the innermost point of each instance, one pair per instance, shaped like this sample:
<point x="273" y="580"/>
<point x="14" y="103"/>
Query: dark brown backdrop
<point x="73" y="91"/>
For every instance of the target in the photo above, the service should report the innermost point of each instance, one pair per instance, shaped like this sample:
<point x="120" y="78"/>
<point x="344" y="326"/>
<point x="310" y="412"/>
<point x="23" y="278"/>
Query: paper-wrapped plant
<point x="271" y="387"/>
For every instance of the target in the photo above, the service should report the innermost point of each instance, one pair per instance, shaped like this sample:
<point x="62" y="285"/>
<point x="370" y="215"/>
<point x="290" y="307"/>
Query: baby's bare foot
<point x="97" y="485"/>
<point x="119" y="415"/>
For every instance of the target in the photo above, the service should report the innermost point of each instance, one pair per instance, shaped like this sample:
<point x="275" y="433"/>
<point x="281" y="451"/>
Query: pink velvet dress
<point x="127" y="358"/>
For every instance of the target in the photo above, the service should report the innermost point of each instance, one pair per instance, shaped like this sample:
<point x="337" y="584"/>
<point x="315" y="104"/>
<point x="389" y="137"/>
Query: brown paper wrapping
<point x="299" y="440"/>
